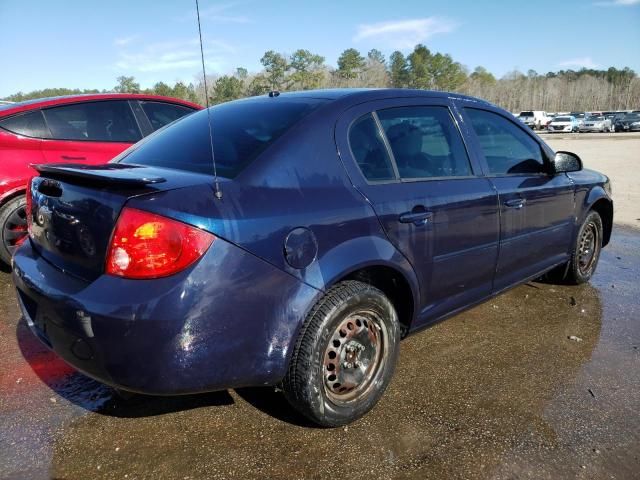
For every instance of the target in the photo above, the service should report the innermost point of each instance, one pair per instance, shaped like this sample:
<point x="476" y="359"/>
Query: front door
<point x="536" y="208"/>
<point x="408" y="158"/>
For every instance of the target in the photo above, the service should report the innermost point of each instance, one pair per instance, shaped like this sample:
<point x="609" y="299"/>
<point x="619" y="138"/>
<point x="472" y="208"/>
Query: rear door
<point x="409" y="160"/>
<point x="89" y="132"/>
<point x="536" y="208"/>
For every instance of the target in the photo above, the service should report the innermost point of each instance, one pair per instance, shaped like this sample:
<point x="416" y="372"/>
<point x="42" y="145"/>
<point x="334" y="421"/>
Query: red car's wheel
<point x="13" y="227"/>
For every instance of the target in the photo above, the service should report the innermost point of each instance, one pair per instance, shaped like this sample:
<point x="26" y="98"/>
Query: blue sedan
<point x="296" y="239"/>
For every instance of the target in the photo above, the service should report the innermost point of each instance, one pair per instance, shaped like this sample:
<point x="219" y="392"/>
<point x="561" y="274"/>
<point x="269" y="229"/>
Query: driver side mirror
<point x="566" y="162"/>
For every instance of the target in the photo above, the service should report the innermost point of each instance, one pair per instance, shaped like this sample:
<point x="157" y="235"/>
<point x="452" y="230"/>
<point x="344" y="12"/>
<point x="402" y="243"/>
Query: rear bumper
<point x="229" y="321"/>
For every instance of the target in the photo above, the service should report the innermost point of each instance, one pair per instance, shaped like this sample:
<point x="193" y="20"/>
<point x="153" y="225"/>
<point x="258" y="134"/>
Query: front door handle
<point x="515" y="203"/>
<point x="417" y="218"/>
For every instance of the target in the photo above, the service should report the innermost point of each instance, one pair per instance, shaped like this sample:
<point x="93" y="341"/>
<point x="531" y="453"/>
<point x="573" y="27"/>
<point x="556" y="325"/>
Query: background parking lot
<point x="541" y="382"/>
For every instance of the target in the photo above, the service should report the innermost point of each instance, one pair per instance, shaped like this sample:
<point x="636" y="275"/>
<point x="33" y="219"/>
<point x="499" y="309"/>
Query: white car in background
<point x="536" y="119"/>
<point x="563" y="124"/>
<point x="596" y="124"/>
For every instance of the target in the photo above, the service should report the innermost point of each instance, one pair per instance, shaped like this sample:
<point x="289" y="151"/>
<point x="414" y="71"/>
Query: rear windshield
<point x="242" y="130"/>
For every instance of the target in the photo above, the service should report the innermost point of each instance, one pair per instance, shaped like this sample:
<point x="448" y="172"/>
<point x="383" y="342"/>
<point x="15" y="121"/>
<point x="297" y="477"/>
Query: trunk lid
<point x="74" y="209"/>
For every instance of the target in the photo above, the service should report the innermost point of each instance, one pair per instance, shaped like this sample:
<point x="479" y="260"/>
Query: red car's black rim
<point x="14" y="230"/>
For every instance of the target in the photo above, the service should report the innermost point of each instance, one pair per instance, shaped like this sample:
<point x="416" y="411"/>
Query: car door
<point x="408" y="158"/>
<point x="89" y="132"/>
<point x="536" y="207"/>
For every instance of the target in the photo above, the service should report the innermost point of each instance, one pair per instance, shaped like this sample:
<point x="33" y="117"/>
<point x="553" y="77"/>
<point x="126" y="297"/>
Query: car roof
<point x="365" y="94"/>
<point x="37" y="103"/>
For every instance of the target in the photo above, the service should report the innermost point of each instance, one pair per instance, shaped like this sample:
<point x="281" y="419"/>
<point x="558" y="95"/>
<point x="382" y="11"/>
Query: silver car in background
<point x="563" y="123"/>
<point x="596" y="124"/>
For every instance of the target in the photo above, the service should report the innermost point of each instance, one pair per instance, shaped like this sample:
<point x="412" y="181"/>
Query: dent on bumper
<point x="227" y="322"/>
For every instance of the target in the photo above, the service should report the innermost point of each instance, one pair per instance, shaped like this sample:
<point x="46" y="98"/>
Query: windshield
<point x="242" y="130"/>
<point x="595" y="119"/>
<point x="526" y="114"/>
<point x="562" y="119"/>
<point x="632" y="116"/>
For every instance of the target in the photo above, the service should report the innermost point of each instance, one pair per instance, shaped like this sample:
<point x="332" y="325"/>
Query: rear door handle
<point x="515" y="203"/>
<point x="70" y="157"/>
<point x="417" y="218"/>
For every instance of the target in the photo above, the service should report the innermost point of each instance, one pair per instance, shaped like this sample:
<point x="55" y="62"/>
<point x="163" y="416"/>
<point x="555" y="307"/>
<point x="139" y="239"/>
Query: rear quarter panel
<point x="16" y="154"/>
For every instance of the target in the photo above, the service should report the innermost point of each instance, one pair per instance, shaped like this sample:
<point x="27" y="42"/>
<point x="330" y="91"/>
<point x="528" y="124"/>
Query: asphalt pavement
<point x="540" y="382"/>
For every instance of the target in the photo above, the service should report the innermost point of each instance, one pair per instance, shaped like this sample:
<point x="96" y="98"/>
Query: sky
<point x="88" y="44"/>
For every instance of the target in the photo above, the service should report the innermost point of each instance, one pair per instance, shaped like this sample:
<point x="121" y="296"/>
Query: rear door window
<point x="241" y="131"/>
<point x="425" y="142"/>
<point x="506" y="147"/>
<point x="30" y="124"/>
<point x="106" y="121"/>
<point x="161" y="114"/>
<point x="369" y="151"/>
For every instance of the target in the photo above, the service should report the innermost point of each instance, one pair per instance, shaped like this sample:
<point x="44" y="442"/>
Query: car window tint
<point x="369" y="151"/>
<point x="161" y="114"/>
<point x="29" y="124"/>
<point x="505" y="146"/>
<point x="425" y="142"/>
<point x="108" y="121"/>
<point x="242" y="130"/>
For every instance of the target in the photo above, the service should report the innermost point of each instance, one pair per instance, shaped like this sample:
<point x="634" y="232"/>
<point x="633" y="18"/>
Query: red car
<point x="73" y="129"/>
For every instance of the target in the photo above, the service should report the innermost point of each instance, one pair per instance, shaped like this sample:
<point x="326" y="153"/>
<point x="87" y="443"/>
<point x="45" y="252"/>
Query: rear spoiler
<point x="109" y="174"/>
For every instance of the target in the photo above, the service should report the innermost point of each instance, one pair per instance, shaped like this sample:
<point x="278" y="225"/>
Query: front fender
<point x="596" y="198"/>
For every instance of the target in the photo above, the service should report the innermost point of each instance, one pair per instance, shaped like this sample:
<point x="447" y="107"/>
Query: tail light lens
<point x="146" y="245"/>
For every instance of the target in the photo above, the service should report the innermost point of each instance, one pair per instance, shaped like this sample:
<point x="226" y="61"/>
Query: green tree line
<point x="585" y="89"/>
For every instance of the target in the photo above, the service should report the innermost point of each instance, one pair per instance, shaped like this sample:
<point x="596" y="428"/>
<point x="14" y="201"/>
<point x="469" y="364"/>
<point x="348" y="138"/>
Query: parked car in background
<point x="535" y="119"/>
<point x="564" y="123"/>
<point x="629" y="122"/>
<point x="579" y="116"/>
<point x="88" y="129"/>
<point x="344" y="221"/>
<point x="596" y="124"/>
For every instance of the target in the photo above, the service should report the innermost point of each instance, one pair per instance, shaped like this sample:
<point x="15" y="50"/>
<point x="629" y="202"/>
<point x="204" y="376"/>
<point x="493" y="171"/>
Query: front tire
<point x="586" y="251"/>
<point x="13" y="227"/>
<point x="345" y="355"/>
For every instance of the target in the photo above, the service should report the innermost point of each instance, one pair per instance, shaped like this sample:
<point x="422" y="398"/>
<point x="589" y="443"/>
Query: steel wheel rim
<point x="14" y="230"/>
<point x="587" y="248"/>
<point x="354" y="356"/>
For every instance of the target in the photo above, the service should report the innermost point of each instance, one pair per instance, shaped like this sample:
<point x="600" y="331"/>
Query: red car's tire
<point x="13" y="226"/>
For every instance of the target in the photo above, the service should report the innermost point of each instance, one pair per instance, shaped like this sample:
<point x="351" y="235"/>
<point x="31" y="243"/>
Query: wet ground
<point x="542" y="382"/>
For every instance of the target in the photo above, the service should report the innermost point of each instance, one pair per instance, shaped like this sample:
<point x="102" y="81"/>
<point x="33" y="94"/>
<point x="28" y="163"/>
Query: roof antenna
<point x="218" y="192"/>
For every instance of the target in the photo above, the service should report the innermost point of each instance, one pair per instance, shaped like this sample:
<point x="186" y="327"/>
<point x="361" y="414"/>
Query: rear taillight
<point x="146" y="245"/>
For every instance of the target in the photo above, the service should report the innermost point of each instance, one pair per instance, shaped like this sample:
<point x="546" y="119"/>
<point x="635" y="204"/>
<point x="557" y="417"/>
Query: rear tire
<point x="586" y="251"/>
<point x="345" y="355"/>
<point x="13" y="226"/>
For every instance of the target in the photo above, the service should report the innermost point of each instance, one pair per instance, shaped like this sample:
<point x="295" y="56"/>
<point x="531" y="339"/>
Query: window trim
<point x="519" y="125"/>
<point x="384" y="142"/>
<point x="126" y="101"/>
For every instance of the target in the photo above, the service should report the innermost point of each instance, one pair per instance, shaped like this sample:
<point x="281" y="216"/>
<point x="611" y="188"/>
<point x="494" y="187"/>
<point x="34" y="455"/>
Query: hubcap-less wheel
<point x="354" y="355"/>
<point x="589" y="242"/>
<point x="14" y="230"/>
<point x="345" y="354"/>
